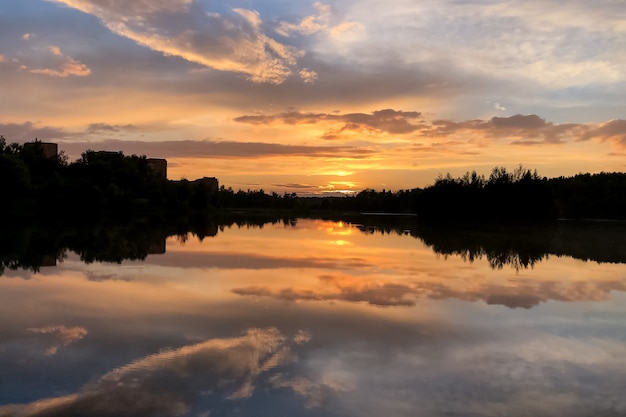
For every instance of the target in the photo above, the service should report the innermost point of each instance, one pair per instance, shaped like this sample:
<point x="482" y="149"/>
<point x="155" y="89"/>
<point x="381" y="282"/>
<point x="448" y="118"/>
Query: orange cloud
<point x="518" y="293"/>
<point x="309" y="76"/>
<point x="316" y="23"/>
<point x="614" y="131"/>
<point x="55" y="50"/>
<point x="64" y="335"/>
<point x="518" y="129"/>
<point x="211" y="149"/>
<point x="67" y="66"/>
<point x="382" y="121"/>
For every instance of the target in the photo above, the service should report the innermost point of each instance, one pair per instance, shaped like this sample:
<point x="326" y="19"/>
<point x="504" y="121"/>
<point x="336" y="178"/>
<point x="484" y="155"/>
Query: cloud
<point x="420" y="150"/>
<point x="229" y="260"/>
<point x="225" y="42"/>
<point x="56" y="51"/>
<point x="298" y="186"/>
<point x="386" y="120"/>
<point x="519" y="129"/>
<point x="169" y="382"/>
<point x="501" y="372"/>
<point x="107" y="128"/>
<point x="536" y="44"/>
<point x="312" y="391"/>
<point x="533" y="127"/>
<point x="613" y="130"/>
<point x="532" y="130"/>
<point x="389" y="293"/>
<point x="66" y="66"/>
<point x="415" y="133"/>
<point x="27" y="131"/>
<point x="531" y="121"/>
<point x="341" y="288"/>
<point x="64" y="336"/>
<point x="212" y="149"/>
<point x="308" y="25"/>
<point x="308" y="75"/>
<point x="316" y="23"/>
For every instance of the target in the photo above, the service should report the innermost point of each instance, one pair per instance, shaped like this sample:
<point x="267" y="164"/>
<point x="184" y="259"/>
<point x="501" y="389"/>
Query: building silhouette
<point x="48" y="149"/>
<point x="159" y="166"/>
<point x="210" y="183"/>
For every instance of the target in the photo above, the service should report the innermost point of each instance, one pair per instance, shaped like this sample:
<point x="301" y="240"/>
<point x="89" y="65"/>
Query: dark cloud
<point x="96" y="277"/>
<point x="339" y="85"/>
<point x="531" y="121"/>
<point x="107" y="128"/>
<point x="27" y="131"/>
<point x="297" y="186"/>
<point x="450" y="126"/>
<point x="447" y="148"/>
<point x="235" y="260"/>
<point x="532" y="126"/>
<point x="527" y="142"/>
<point x="387" y="120"/>
<point x="521" y="129"/>
<point x="212" y="149"/>
<point x="614" y="130"/>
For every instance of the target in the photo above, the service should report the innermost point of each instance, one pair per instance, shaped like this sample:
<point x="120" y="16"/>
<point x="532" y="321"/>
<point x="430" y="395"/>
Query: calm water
<point x="323" y="318"/>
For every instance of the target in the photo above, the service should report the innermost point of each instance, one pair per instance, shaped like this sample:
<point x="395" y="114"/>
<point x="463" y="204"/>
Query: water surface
<point x="321" y="318"/>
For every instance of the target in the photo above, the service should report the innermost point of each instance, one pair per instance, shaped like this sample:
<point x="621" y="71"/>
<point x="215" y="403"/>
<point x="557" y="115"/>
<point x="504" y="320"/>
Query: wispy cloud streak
<point x="184" y="28"/>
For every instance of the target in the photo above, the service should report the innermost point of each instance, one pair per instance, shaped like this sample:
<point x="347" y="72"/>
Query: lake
<point x="363" y="317"/>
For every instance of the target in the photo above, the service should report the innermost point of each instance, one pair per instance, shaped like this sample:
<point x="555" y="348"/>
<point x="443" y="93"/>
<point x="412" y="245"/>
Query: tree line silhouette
<point x="520" y="195"/>
<point x="111" y="183"/>
<point x="504" y="196"/>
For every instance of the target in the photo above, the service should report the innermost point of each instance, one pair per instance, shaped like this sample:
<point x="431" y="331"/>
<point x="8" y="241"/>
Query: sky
<point x="321" y="97"/>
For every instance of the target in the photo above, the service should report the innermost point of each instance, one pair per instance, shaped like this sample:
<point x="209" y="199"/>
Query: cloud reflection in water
<point x="442" y="345"/>
<point x="170" y="382"/>
<point x="521" y="293"/>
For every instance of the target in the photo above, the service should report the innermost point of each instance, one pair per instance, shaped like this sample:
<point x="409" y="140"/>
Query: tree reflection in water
<point x="517" y="246"/>
<point x="33" y="246"/>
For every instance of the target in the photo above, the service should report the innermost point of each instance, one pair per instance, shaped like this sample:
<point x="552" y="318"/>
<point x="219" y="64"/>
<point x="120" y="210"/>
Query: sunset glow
<point x="315" y="97"/>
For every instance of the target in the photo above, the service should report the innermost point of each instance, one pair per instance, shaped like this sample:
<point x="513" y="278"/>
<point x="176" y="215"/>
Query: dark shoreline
<point x="102" y="185"/>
